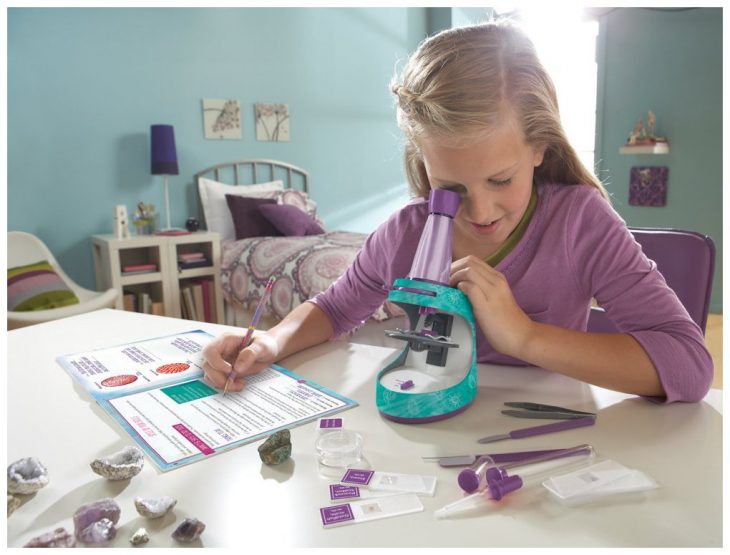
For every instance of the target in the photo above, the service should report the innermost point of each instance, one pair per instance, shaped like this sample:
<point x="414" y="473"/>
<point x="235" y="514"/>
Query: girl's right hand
<point x="223" y="355"/>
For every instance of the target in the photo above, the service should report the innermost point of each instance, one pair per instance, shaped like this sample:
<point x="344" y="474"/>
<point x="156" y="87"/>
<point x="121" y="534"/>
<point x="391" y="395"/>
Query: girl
<point x="535" y="238"/>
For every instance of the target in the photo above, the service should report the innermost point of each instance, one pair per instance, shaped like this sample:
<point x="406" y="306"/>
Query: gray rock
<point x="154" y="507"/>
<point x="139" y="537"/>
<point x="189" y="530"/>
<point x="60" y="537"/>
<point x="26" y="476"/>
<point x="277" y="448"/>
<point x="121" y="465"/>
<point x="13" y="503"/>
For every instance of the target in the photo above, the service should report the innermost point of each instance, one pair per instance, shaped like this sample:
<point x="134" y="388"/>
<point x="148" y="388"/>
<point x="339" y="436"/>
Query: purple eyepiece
<point x="443" y="201"/>
<point x="468" y="480"/>
<point x="499" y="488"/>
<point x="494" y="474"/>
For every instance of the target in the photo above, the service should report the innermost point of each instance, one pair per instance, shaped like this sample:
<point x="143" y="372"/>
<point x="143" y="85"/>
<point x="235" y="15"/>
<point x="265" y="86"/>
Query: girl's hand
<point x="223" y="355"/>
<point x="502" y="321"/>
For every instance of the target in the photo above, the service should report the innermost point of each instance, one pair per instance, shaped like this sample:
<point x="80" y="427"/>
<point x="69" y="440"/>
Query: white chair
<point x="26" y="248"/>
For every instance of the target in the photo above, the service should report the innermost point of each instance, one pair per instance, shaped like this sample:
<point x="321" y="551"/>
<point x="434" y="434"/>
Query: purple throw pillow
<point x="290" y="220"/>
<point x="248" y="220"/>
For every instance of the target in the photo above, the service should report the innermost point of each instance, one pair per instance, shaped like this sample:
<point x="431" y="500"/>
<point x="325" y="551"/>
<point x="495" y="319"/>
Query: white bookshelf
<point x="165" y="283"/>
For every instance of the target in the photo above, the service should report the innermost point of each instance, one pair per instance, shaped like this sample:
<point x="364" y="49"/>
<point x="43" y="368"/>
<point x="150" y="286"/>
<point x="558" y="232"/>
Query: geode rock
<point x="60" y="537"/>
<point x="27" y="476"/>
<point x="121" y="465"/>
<point x="139" y="537"/>
<point x="98" y="532"/>
<point x="13" y="503"/>
<point x="189" y="530"/>
<point x="277" y="448"/>
<point x="90" y="513"/>
<point x="154" y="507"/>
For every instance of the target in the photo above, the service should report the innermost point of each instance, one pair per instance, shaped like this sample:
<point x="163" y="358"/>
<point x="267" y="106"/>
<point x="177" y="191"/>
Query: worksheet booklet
<point x="155" y="390"/>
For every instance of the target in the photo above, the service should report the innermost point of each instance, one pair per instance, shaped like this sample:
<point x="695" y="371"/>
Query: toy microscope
<point x="435" y="375"/>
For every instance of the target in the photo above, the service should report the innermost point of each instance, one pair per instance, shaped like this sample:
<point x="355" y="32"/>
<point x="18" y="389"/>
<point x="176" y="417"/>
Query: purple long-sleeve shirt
<point x="576" y="247"/>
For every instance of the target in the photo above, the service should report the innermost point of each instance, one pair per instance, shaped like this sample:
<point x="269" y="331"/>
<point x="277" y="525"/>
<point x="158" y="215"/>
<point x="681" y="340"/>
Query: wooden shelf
<point x="659" y="148"/>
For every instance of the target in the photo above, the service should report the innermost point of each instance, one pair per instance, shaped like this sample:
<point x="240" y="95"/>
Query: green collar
<point x="516" y="234"/>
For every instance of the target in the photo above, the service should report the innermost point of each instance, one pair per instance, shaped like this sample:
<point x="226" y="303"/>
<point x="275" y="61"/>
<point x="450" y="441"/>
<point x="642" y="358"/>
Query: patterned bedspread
<point x="303" y="266"/>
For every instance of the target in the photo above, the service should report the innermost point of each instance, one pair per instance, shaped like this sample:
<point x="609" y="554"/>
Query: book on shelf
<point x="129" y="301"/>
<point x="194" y="264"/>
<point x="189" y="303"/>
<point x="144" y="302"/>
<point x="197" y="290"/>
<point x="158" y="308"/>
<point x="206" y="285"/>
<point x="188" y="256"/>
<point x="138" y="268"/>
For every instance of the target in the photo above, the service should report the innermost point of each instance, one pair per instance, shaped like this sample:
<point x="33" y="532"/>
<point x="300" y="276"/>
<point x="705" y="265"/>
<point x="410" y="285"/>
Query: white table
<point x="247" y="504"/>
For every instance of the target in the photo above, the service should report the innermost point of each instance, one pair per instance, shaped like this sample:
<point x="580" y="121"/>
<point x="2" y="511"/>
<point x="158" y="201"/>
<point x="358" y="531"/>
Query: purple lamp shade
<point x="163" y="155"/>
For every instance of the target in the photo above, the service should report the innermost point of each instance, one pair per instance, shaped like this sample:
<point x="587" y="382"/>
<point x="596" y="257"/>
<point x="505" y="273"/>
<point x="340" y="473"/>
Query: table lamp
<point x="163" y="158"/>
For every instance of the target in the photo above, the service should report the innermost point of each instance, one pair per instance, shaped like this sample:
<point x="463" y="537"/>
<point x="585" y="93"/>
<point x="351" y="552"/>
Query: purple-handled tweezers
<point x="538" y="430"/>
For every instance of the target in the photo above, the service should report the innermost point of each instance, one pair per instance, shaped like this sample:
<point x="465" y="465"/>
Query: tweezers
<point x="538" y="410"/>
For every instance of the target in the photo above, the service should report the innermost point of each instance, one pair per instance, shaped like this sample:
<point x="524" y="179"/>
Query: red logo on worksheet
<point x="173" y="368"/>
<point x="116" y="381"/>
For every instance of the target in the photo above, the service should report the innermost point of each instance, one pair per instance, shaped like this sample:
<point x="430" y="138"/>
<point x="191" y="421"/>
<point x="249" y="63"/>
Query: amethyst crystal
<point x="60" y="537"/>
<point x="277" y="448"/>
<point x="98" y="532"/>
<point x="189" y="530"/>
<point x="94" y="512"/>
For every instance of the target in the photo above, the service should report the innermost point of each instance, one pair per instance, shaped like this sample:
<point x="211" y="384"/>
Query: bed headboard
<point x="250" y="172"/>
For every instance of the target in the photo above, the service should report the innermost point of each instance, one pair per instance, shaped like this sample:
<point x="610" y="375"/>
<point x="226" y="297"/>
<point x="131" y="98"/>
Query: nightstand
<point x="170" y="275"/>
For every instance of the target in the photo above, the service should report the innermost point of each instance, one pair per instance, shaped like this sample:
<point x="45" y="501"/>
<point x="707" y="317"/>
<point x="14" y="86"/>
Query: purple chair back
<point x="686" y="259"/>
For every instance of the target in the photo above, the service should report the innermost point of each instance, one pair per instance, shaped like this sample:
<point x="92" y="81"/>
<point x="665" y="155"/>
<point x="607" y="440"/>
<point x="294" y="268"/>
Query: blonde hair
<point x="461" y="83"/>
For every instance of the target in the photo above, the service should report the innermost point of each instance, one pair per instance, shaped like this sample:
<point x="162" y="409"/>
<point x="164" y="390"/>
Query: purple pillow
<point x="290" y="220"/>
<point x="247" y="220"/>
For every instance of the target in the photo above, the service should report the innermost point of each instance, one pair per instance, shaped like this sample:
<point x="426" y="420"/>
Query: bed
<point x="232" y="198"/>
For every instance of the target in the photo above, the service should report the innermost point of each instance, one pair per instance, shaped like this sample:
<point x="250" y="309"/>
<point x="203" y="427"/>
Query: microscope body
<point x="434" y="376"/>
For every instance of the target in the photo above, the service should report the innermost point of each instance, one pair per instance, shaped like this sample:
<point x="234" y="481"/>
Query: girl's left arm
<point x="611" y="360"/>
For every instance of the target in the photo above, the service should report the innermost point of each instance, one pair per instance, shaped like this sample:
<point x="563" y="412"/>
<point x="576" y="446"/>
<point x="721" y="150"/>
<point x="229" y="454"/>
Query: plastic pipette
<point x="475" y="478"/>
<point x="529" y="476"/>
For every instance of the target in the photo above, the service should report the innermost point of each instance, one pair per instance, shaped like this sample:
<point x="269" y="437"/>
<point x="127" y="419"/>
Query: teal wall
<point x="84" y="85"/>
<point x="669" y="62"/>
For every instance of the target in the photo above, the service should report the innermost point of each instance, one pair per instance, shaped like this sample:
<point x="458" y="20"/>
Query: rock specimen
<point x="154" y="507"/>
<point x="98" y="532"/>
<point x="92" y="516"/>
<point x="189" y="530"/>
<point x="139" y="537"/>
<point x="60" y="537"/>
<point x="27" y="476"/>
<point x="13" y="503"/>
<point x="121" y="465"/>
<point x="277" y="448"/>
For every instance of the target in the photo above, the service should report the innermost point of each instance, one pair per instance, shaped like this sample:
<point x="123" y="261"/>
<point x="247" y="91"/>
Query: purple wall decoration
<point x="648" y="186"/>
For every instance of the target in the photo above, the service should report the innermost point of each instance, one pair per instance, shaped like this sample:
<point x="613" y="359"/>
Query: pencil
<point x="252" y="326"/>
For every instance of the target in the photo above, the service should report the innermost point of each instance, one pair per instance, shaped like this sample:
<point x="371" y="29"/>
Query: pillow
<point x="248" y="220"/>
<point x="213" y="198"/>
<point x="290" y="220"/>
<point x="37" y="287"/>
<point x="301" y="200"/>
